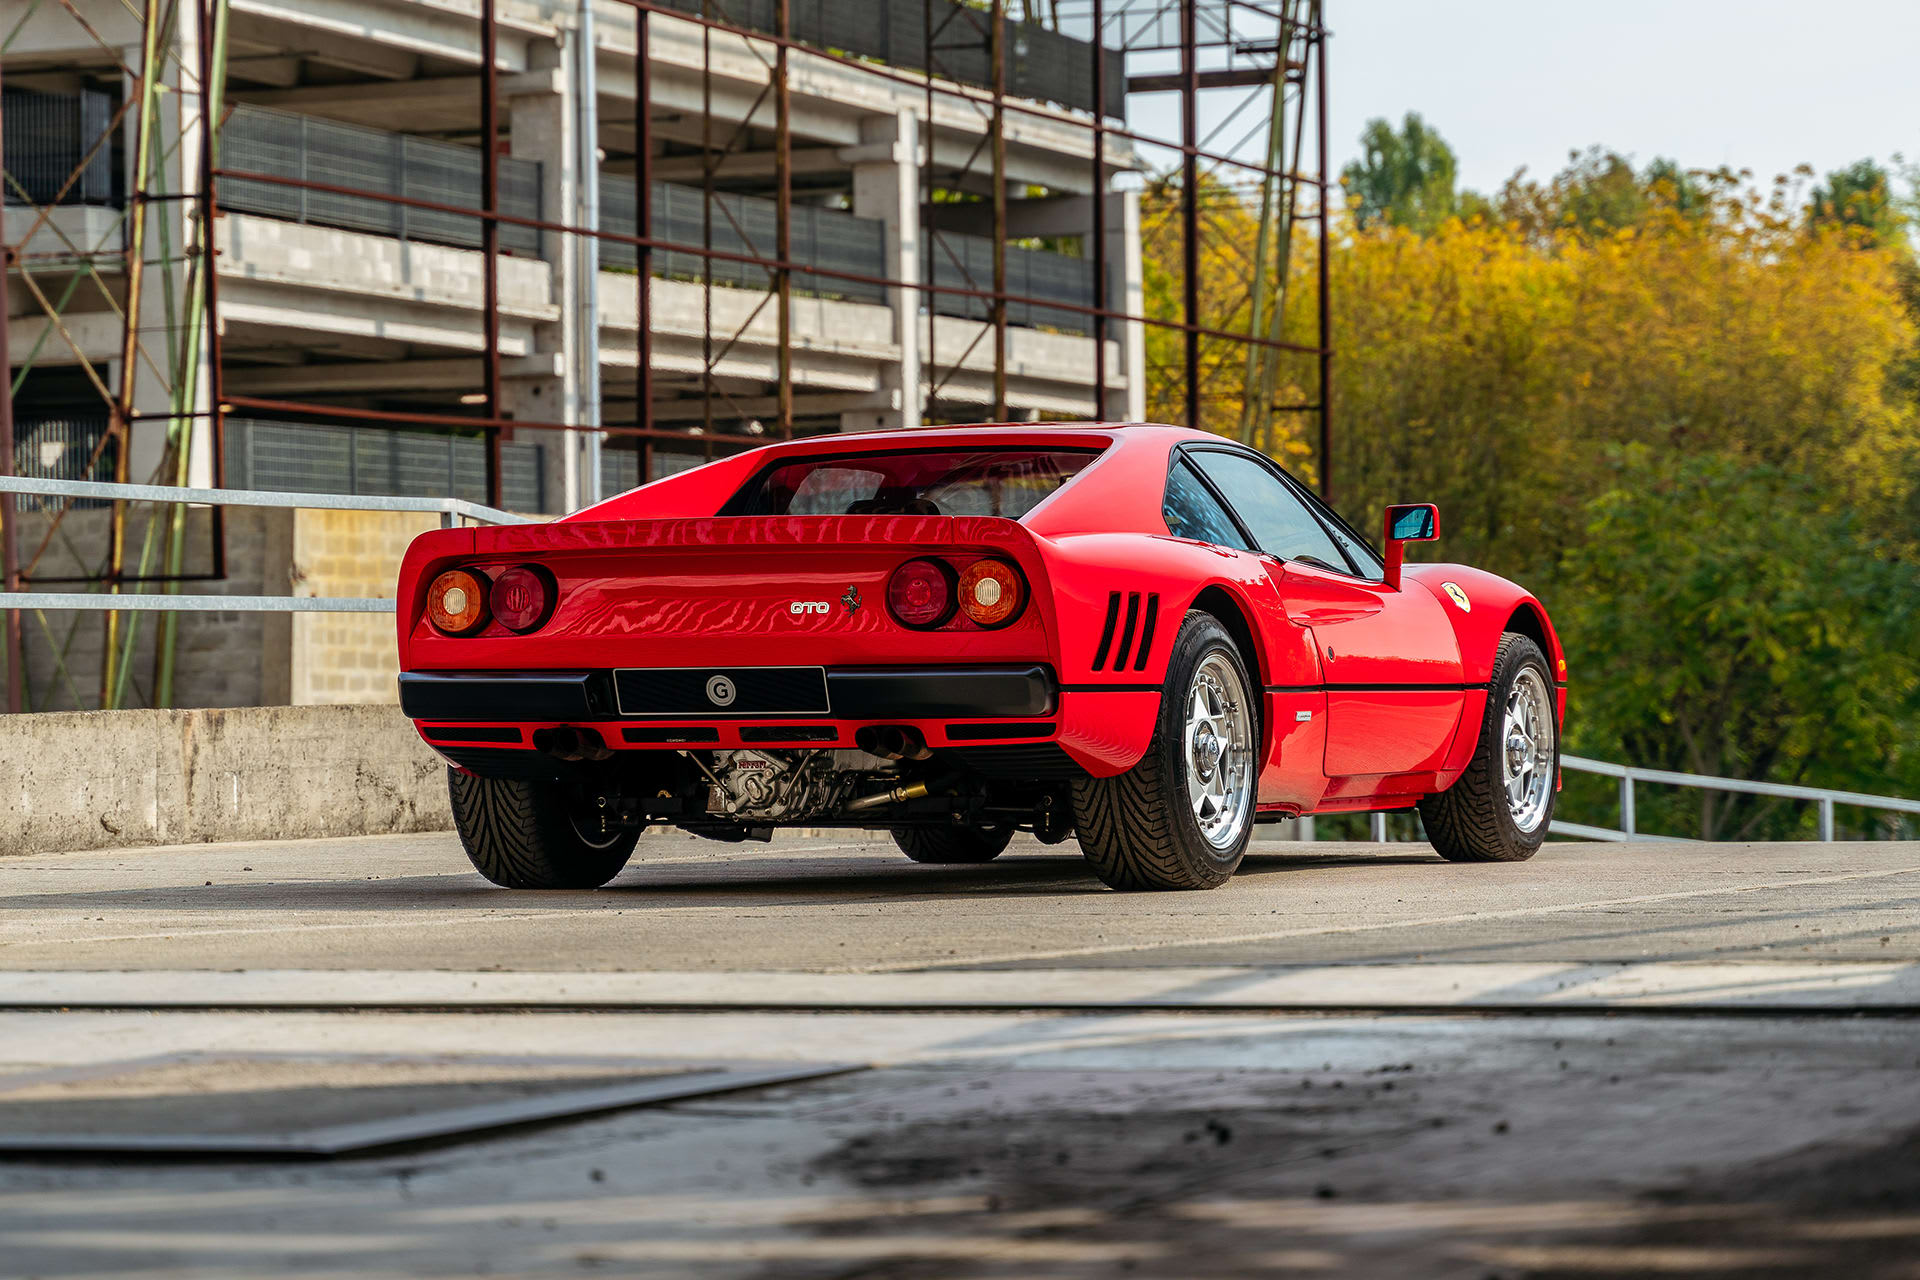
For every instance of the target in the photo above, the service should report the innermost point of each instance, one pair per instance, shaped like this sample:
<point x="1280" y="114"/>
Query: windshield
<point x="956" y="482"/>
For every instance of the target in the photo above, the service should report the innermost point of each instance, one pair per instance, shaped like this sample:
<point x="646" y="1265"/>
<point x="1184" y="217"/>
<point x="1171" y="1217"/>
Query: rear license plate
<point x="700" y="692"/>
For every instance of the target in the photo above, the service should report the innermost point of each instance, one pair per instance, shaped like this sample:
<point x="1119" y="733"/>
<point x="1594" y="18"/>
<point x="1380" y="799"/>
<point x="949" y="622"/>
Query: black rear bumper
<point x="853" y="693"/>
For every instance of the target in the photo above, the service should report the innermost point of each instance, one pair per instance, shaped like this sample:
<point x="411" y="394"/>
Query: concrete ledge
<point x="118" y="779"/>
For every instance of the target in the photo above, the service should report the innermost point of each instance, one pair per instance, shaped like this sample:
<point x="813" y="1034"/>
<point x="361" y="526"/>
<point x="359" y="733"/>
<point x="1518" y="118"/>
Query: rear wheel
<point x="1182" y="816"/>
<point x="524" y="834"/>
<point x="953" y="844"/>
<point x="1498" y="810"/>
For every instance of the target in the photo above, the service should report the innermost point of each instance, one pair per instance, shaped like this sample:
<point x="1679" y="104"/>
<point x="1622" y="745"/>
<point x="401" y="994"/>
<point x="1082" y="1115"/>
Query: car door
<point x="1389" y="658"/>
<point x="1292" y="771"/>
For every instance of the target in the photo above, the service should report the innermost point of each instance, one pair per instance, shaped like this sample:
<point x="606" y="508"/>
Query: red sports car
<point x="1147" y="637"/>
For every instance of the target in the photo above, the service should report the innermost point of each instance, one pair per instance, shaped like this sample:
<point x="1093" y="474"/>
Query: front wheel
<point x="1182" y="816"/>
<point x="534" y="835"/>
<point x="1499" y="809"/>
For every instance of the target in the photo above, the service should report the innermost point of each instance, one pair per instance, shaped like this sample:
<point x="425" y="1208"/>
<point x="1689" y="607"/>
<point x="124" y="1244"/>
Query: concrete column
<point x="540" y="124"/>
<point x="1126" y="293"/>
<point x="886" y="186"/>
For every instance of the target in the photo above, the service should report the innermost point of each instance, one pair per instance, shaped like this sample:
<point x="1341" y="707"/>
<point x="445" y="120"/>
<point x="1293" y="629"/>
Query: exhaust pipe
<point x="569" y="743"/>
<point x="892" y="742"/>
<point x="898" y="795"/>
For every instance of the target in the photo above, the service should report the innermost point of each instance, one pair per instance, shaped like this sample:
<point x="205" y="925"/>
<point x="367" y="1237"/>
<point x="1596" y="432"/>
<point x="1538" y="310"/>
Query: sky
<point x="1759" y="84"/>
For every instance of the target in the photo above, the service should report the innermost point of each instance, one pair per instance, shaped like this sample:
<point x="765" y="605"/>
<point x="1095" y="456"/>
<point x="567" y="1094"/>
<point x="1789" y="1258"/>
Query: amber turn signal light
<point x="991" y="593"/>
<point x="457" y="602"/>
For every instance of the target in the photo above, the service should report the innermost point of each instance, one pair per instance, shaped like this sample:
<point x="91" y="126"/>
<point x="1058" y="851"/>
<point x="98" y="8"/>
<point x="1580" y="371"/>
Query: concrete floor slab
<point x="1764" y="986"/>
<point x="1154" y="1096"/>
<point x="827" y="904"/>
<point x="328" y="1104"/>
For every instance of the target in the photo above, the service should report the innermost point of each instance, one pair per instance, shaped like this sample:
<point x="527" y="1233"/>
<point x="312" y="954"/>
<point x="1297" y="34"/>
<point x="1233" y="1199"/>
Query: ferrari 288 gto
<point x="1145" y="637"/>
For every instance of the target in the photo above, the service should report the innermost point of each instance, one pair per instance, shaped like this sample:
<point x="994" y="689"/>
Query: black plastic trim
<point x="789" y="733"/>
<point x="474" y="733"/>
<point x="656" y="736"/>
<point x="1023" y="692"/>
<point x="877" y="693"/>
<point x="505" y="695"/>
<point x="983" y="732"/>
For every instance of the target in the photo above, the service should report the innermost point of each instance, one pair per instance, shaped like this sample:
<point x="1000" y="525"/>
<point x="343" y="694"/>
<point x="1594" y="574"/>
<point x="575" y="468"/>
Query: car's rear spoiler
<point x="722" y="533"/>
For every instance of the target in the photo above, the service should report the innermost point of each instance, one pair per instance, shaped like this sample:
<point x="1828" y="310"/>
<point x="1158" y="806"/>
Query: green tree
<point x="1722" y="617"/>
<point x="1405" y="178"/>
<point x="1860" y="196"/>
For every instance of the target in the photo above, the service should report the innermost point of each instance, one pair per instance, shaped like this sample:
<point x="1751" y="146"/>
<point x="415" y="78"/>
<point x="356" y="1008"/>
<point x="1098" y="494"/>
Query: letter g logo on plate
<point x="720" y="691"/>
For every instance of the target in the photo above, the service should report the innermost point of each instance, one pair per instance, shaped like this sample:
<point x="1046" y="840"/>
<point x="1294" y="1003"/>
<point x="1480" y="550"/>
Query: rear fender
<point x="1119" y="602"/>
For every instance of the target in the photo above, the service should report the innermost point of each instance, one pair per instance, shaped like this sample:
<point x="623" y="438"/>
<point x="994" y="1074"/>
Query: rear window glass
<point x="960" y="482"/>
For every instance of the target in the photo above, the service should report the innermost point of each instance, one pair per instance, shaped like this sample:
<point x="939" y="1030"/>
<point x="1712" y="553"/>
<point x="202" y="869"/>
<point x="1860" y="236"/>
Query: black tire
<point x="953" y="844"/>
<point x="520" y="835"/>
<point x="1138" y="830"/>
<point x="1471" y="821"/>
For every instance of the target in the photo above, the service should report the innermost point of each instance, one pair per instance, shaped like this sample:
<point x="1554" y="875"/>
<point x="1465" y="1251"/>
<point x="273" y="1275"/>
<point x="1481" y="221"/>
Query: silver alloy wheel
<point x="1526" y="750"/>
<point x="1217" y="747"/>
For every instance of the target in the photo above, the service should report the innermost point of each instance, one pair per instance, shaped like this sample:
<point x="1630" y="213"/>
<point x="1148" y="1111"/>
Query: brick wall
<point x="346" y="657"/>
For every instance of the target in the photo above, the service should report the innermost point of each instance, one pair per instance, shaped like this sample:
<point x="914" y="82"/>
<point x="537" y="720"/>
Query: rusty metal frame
<point x="1143" y="26"/>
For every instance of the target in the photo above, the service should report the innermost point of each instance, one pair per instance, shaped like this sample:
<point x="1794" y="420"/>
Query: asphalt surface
<point x="1351" y="1060"/>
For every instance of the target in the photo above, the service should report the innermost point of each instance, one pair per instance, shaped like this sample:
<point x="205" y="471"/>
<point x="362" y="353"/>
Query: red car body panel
<point x="1370" y="694"/>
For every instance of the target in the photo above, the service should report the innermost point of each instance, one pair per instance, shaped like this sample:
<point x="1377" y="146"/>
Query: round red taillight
<point x="522" y="598"/>
<point x="920" y="594"/>
<point x="991" y="593"/>
<point x="457" y="602"/>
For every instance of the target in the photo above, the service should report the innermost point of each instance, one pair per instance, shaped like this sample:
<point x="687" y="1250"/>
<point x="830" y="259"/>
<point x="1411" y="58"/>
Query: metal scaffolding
<point x="999" y="257"/>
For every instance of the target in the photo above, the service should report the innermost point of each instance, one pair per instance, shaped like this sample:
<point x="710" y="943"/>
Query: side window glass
<point x="1279" y="521"/>
<point x="1368" y="563"/>
<point x="1192" y="512"/>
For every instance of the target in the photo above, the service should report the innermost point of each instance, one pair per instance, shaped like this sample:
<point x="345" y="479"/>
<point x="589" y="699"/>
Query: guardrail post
<point x="1377" y="827"/>
<point x="1626" y="803"/>
<point x="1826" y="818"/>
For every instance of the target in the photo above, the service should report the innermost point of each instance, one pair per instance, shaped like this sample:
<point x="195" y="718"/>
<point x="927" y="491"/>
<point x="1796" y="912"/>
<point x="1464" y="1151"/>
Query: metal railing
<point x="1629" y="775"/>
<point x="952" y="260"/>
<point x="378" y="161"/>
<point x="1042" y="64"/>
<point x="308" y="457"/>
<point x="46" y="135"/>
<point x="450" y="510"/>
<point x="829" y="238"/>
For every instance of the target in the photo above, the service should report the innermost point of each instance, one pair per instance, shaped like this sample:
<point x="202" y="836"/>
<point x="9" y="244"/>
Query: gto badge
<point x="851" y="599"/>
<point x="1459" y="597"/>
<point x="720" y="691"/>
<point x="799" y="607"/>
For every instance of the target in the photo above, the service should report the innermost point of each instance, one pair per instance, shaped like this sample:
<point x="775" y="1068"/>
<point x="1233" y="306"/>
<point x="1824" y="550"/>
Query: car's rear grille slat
<point x="1146" y="633"/>
<point x="657" y="737"/>
<point x="1106" y="632"/>
<point x="1126" y="633"/>
<point x="789" y="733"/>
<point x="1040" y="761"/>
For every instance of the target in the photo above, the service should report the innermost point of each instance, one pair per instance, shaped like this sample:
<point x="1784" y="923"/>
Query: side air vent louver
<point x="1131" y="626"/>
